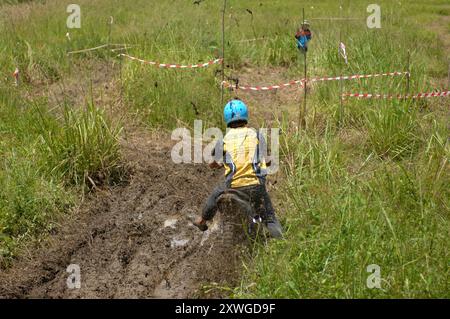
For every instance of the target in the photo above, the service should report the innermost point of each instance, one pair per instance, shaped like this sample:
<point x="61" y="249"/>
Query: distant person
<point x="303" y="36"/>
<point x="242" y="152"/>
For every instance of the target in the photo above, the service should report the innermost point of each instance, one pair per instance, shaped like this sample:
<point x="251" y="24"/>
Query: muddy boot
<point x="274" y="227"/>
<point x="200" y="224"/>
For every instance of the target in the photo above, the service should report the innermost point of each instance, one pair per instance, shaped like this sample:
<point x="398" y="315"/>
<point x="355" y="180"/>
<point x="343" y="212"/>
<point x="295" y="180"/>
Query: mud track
<point x="135" y="240"/>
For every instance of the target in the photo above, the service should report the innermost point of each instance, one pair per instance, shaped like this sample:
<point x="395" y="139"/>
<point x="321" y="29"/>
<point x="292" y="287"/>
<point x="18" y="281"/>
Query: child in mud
<point x="242" y="153"/>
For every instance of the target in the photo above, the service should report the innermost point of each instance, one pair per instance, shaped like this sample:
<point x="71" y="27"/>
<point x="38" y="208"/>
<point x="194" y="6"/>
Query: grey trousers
<point x="257" y="195"/>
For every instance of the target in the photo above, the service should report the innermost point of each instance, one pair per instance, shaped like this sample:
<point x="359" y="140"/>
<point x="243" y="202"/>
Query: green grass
<point x="366" y="184"/>
<point x="46" y="162"/>
<point x="84" y="149"/>
<point x="341" y="218"/>
<point x="392" y="130"/>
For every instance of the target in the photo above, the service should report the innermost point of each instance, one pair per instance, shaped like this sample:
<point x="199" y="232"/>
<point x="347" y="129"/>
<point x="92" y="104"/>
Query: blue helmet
<point x="234" y="111"/>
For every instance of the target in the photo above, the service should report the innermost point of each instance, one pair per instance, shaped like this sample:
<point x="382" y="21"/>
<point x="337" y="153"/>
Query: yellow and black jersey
<point x="243" y="153"/>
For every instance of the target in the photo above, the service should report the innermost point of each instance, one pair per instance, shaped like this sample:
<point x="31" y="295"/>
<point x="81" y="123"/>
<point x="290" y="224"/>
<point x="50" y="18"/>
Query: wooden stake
<point x="408" y="76"/>
<point x="448" y="84"/>
<point x="302" y="112"/>
<point x="111" y="20"/>
<point x="121" y="79"/>
<point x="67" y="52"/>
<point x="223" y="50"/>
<point x="341" y="83"/>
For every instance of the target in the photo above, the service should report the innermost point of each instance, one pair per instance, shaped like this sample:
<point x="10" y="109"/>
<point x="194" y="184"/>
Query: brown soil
<point x="135" y="240"/>
<point x="270" y="104"/>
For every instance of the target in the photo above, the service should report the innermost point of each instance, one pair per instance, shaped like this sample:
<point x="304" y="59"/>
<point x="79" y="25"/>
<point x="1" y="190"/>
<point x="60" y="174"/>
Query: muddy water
<point x="134" y="241"/>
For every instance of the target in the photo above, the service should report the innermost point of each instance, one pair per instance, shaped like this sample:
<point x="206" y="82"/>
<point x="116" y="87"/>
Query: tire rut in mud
<point x="137" y="241"/>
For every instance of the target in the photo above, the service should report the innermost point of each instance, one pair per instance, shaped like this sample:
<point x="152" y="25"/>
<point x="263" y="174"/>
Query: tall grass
<point x="367" y="184"/>
<point x="29" y="201"/>
<point x="392" y="130"/>
<point x="85" y="149"/>
<point x="370" y="187"/>
<point x="44" y="161"/>
<point x="340" y="220"/>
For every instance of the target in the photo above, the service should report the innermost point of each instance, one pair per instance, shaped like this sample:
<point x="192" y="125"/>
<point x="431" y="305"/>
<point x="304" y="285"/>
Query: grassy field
<point x="366" y="184"/>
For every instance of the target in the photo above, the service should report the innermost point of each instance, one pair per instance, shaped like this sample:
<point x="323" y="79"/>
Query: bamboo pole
<point x="448" y="84"/>
<point x="341" y="82"/>
<point x="68" y="51"/>
<point x="121" y="78"/>
<point x="88" y="50"/>
<point x="223" y="50"/>
<point x="111" y="21"/>
<point x="408" y="76"/>
<point x="302" y="109"/>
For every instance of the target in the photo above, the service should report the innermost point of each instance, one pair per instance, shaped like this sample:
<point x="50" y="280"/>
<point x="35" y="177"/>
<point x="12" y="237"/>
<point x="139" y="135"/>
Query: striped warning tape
<point x="398" y="96"/>
<point x="317" y="79"/>
<point x="173" y="66"/>
<point x="262" y="88"/>
<point x="358" y="76"/>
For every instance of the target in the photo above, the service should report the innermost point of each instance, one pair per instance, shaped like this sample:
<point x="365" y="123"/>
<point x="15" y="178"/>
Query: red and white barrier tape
<point x="173" y="66"/>
<point x="399" y="96"/>
<point x="318" y="79"/>
<point x="357" y="76"/>
<point x="262" y="88"/>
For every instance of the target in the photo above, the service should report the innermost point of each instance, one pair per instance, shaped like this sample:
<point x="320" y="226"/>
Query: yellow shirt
<point x="243" y="157"/>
